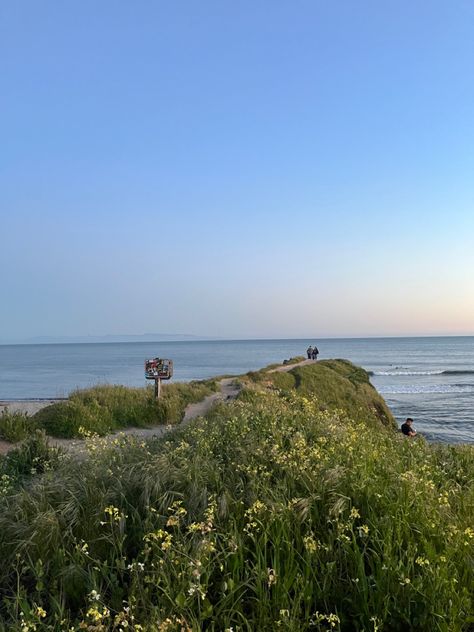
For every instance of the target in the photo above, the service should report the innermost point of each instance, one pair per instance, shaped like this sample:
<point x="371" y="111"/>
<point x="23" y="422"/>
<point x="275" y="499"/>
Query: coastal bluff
<point x="280" y="499"/>
<point x="337" y="385"/>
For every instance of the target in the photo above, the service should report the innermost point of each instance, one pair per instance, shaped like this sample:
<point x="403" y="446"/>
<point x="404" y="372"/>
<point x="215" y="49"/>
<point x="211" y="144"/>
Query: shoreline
<point x="29" y="406"/>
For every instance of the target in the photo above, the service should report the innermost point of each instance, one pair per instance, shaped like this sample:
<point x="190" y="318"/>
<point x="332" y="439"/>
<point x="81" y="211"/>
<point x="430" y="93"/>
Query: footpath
<point x="228" y="390"/>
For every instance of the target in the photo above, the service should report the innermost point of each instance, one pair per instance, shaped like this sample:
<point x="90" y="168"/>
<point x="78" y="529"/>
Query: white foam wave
<point x="407" y="372"/>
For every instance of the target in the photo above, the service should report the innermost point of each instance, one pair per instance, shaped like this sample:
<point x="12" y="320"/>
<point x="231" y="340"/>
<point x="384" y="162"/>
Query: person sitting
<point x="407" y="428"/>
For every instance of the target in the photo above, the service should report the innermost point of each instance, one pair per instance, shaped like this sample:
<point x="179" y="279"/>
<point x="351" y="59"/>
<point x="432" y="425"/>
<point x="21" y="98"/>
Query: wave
<point x="406" y="372"/>
<point x="426" y="388"/>
<point x="436" y="372"/>
<point x="459" y="372"/>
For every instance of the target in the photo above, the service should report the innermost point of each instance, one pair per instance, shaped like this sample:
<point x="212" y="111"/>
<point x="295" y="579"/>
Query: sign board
<point x="158" y="369"/>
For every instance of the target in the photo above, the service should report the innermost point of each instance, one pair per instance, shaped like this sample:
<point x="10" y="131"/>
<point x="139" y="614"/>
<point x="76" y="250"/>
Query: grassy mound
<point x="337" y="384"/>
<point x="104" y="409"/>
<point x="270" y="514"/>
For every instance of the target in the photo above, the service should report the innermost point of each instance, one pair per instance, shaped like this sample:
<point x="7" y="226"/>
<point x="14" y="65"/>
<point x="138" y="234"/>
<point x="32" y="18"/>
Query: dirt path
<point x="287" y="367"/>
<point x="229" y="390"/>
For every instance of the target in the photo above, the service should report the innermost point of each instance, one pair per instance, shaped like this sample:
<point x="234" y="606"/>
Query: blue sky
<point x="268" y="169"/>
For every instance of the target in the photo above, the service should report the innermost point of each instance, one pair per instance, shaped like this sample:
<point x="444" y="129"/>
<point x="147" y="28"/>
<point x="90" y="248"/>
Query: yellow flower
<point x="311" y="545"/>
<point x="40" y="612"/>
<point x="422" y="561"/>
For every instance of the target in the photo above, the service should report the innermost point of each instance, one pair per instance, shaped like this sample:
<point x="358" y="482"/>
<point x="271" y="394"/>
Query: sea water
<point x="430" y="379"/>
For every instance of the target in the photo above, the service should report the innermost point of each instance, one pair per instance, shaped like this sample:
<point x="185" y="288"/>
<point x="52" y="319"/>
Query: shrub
<point x="15" y="426"/>
<point x="33" y="456"/>
<point x="103" y="409"/>
<point x="65" y="419"/>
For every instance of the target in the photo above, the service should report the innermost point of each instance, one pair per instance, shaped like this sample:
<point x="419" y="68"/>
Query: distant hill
<point x="157" y="337"/>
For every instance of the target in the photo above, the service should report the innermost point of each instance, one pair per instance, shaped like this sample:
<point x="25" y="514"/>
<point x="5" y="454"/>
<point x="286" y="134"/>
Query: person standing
<point x="315" y="352"/>
<point x="309" y="352"/>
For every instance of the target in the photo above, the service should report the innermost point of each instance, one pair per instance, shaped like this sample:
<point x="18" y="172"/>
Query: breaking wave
<point x="406" y="372"/>
<point x="436" y="372"/>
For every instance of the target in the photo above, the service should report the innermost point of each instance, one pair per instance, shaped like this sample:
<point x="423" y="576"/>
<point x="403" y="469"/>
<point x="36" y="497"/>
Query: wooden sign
<point x="158" y="369"/>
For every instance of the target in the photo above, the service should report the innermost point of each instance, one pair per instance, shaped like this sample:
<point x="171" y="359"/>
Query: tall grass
<point x="339" y="384"/>
<point x="15" y="426"/>
<point x="270" y="514"/>
<point x="103" y="409"/>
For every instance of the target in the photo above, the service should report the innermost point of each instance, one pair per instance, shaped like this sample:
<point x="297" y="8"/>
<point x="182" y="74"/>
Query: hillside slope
<point x="277" y="511"/>
<point x="337" y="384"/>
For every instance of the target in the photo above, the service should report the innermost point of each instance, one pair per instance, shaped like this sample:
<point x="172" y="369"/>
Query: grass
<point x="272" y="513"/>
<point x="338" y="384"/>
<point x="15" y="426"/>
<point x="104" y="409"/>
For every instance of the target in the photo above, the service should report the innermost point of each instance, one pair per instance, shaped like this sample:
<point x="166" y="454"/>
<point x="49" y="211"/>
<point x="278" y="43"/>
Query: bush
<point x="104" y="409"/>
<point x="66" y="419"/>
<point x="15" y="426"/>
<point x="33" y="456"/>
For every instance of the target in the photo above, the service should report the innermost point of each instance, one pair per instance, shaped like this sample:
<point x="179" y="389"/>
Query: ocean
<point x="429" y="378"/>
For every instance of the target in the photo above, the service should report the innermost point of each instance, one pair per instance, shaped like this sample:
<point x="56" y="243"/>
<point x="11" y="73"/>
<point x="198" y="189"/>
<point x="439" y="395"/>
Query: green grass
<point x="338" y="385"/>
<point x="269" y="514"/>
<point x="15" y="426"/>
<point x="104" y="409"/>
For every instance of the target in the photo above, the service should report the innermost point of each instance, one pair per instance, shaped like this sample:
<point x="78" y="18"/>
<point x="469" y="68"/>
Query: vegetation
<point x="34" y="456"/>
<point x="338" y="384"/>
<point x="15" y="426"/>
<point x="275" y="512"/>
<point x="104" y="409"/>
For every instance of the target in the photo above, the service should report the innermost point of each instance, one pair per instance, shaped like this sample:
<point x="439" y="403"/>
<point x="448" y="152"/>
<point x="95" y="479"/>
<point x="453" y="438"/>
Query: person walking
<point x="315" y="352"/>
<point x="309" y="352"/>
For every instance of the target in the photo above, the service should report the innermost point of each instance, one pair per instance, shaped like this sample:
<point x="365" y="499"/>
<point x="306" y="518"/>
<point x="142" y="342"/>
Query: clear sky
<point x="237" y="169"/>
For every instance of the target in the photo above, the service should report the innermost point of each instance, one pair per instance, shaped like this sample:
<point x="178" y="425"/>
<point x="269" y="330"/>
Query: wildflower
<point x="363" y="530"/>
<point x="97" y="615"/>
<point x="422" y="561"/>
<point x="160" y="536"/>
<point x="40" y="612"/>
<point x="354" y="513"/>
<point x="311" y="545"/>
<point x="271" y="577"/>
<point x="332" y="619"/>
<point x="94" y="595"/>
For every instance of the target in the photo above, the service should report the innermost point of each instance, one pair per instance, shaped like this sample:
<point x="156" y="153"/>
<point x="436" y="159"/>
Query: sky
<point x="236" y="169"/>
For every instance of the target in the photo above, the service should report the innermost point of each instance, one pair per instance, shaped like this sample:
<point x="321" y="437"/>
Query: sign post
<point x="158" y="369"/>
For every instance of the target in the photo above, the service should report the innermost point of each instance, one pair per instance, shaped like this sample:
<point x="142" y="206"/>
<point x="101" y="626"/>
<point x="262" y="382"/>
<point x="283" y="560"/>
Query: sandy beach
<point x="28" y="406"/>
